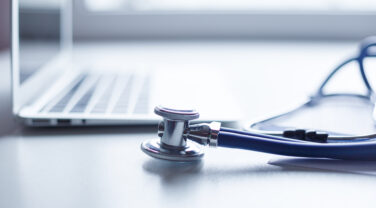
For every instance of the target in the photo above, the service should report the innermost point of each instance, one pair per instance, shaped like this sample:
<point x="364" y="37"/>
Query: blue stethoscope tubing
<point x="349" y="148"/>
<point x="280" y="146"/>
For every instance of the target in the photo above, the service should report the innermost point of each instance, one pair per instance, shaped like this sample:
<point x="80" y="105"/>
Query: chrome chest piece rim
<point x="173" y="144"/>
<point x="191" y="152"/>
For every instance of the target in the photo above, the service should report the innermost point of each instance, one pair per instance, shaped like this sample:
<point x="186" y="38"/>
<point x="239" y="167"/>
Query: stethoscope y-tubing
<point x="272" y="144"/>
<point x="364" y="53"/>
<point x="352" y="150"/>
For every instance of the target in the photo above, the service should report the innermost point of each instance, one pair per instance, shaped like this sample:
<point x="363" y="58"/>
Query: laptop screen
<point x="39" y="34"/>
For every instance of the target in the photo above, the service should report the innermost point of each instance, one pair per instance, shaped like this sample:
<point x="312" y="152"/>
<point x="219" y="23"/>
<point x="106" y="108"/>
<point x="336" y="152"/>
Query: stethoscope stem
<point x="348" y="151"/>
<point x="275" y="137"/>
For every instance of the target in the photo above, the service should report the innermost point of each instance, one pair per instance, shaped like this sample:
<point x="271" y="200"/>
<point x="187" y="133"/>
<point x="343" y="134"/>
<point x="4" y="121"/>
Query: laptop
<point x="57" y="84"/>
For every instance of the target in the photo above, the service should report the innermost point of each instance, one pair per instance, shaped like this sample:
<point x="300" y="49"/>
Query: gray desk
<point x="104" y="167"/>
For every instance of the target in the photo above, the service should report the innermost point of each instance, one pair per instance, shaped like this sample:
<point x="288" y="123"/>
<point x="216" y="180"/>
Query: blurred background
<point x="302" y="31"/>
<point x="270" y="19"/>
<point x="42" y="26"/>
<point x="4" y="23"/>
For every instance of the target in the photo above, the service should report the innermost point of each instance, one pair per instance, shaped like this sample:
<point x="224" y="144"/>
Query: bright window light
<point x="232" y="5"/>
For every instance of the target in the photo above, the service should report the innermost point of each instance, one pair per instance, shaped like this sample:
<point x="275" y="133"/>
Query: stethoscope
<point x="181" y="141"/>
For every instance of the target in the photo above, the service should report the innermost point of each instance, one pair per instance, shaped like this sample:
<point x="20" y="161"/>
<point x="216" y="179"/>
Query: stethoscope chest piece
<point x="154" y="148"/>
<point x="173" y="144"/>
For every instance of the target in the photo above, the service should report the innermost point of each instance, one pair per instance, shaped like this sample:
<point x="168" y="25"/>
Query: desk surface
<point x="104" y="167"/>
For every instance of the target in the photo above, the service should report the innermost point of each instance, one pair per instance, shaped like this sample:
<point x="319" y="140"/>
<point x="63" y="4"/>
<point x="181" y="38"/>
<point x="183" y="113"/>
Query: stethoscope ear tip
<point x="190" y="153"/>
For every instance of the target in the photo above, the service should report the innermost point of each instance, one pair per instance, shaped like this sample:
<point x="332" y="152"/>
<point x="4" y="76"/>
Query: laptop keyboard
<point x="60" y="105"/>
<point x="102" y="103"/>
<point x="104" y="94"/>
<point x="142" y="104"/>
<point x="123" y="102"/>
<point x="82" y="103"/>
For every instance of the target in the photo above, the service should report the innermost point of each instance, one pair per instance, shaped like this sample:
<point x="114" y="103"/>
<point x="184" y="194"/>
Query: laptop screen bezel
<point x="24" y="93"/>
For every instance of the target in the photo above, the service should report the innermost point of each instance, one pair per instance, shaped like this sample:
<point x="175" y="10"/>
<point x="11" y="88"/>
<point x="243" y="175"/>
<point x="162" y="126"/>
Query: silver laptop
<point x="56" y="84"/>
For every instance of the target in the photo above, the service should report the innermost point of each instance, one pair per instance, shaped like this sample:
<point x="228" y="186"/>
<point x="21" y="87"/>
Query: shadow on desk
<point x="87" y="130"/>
<point x="348" y="166"/>
<point x="177" y="174"/>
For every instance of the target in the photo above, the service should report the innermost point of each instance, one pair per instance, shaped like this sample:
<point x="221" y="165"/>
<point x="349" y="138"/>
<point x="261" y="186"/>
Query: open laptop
<point x="55" y="84"/>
